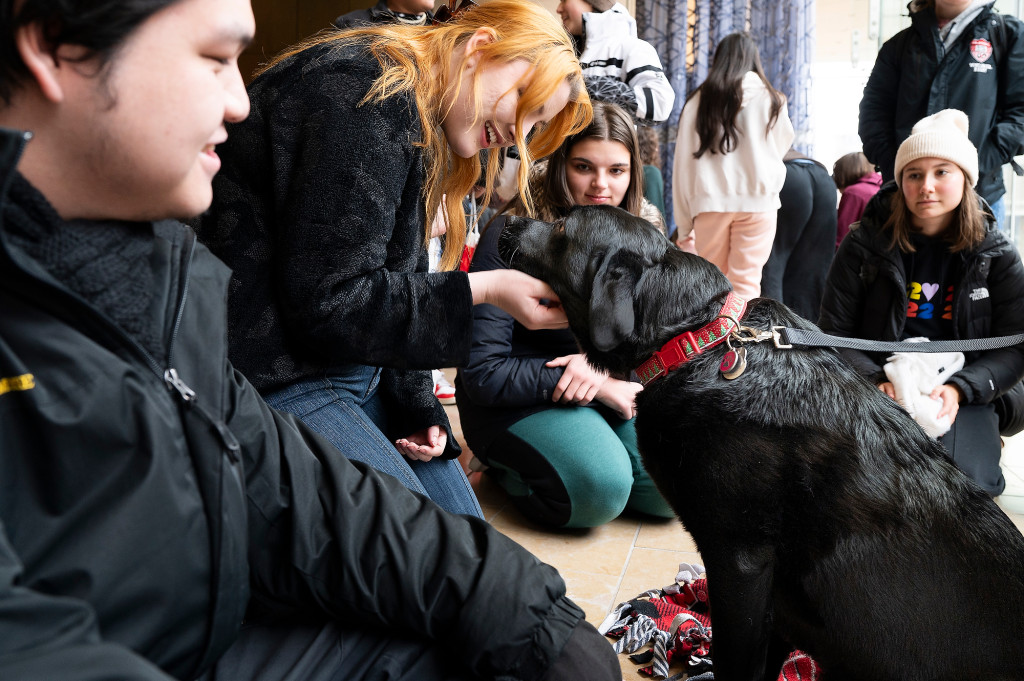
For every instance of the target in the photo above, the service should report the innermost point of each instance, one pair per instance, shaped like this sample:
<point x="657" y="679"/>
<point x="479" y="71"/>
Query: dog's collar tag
<point x="734" y="363"/>
<point x="688" y="345"/>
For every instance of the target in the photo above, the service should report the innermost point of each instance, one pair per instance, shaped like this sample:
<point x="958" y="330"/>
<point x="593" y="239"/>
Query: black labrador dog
<point x="827" y="520"/>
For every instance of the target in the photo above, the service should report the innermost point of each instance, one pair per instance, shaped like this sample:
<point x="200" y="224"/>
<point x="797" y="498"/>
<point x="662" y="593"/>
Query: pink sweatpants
<point x="738" y="244"/>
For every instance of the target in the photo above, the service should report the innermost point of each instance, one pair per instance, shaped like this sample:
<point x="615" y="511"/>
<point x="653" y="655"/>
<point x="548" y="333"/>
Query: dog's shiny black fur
<point x="827" y="520"/>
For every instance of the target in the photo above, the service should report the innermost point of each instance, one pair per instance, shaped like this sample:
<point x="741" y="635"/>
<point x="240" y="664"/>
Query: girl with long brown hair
<point x="728" y="169"/>
<point x="557" y="434"/>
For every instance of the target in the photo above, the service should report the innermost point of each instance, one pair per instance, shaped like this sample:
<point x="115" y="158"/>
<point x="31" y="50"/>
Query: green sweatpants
<point x="573" y="467"/>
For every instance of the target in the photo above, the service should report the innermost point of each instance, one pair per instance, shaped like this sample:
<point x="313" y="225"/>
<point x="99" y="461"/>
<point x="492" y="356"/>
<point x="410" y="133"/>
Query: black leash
<point x="786" y="337"/>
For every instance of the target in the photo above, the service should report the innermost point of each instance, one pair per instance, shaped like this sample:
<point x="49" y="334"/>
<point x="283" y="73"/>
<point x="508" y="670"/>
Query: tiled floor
<point x="613" y="563"/>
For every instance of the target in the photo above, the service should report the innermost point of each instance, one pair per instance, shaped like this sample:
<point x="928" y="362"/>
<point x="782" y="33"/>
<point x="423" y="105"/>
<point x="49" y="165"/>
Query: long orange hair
<point x="417" y="59"/>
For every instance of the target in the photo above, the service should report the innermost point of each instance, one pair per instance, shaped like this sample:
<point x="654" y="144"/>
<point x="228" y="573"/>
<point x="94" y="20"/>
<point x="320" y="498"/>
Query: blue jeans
<point x="344" y="408"/>
<point x="999" y="213"/>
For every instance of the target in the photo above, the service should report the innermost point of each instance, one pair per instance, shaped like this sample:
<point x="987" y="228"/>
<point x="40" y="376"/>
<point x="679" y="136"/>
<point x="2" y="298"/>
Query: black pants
<point x="805" y="238"/>
<point x="328" y="652"/>
<point x="974" y="444"/>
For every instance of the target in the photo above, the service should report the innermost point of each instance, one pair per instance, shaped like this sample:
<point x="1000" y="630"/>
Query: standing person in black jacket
<point x="956" y="54"/>
<point x="927" y="261"/>
<point x="157" y="519"/>
<point x="321" y="213"/>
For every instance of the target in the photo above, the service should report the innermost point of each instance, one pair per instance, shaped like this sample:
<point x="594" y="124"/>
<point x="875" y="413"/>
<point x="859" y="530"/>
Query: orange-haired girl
<point x="321" y="211"/>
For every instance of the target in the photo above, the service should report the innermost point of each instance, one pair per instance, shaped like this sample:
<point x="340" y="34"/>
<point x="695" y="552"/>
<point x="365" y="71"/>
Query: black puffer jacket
<point x="318" y="211"/>
<point x="140" y="521"/>
<point x="866" y="297"/>
<point x="505" y="379"/>
<point x="914" y="77"/>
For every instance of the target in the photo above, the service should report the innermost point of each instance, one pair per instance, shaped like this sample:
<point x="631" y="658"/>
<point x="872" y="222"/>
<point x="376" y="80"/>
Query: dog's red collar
<point x="688" y="345"/>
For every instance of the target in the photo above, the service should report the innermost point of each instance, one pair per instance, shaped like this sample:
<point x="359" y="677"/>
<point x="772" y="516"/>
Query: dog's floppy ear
<point x="611" y="299"/>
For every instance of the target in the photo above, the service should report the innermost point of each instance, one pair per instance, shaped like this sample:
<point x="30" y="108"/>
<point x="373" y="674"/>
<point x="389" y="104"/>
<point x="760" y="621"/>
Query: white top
<point x="612" y="48"/>
<point x="747" y="179"/>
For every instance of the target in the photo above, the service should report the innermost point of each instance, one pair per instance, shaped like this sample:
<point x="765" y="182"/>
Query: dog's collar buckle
<point x="689" y="344"/>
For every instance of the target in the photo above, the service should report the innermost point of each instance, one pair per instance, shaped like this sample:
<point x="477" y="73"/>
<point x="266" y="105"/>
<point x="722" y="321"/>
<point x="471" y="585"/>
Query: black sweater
<point x="318" y="210"/>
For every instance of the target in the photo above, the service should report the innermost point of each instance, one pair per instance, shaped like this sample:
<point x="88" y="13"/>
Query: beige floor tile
<point x="651" y="569"/>
<point x="599" y="550"/>
<point x="492" y="498"/>
<point x="1018" y="519"/>
<point x="665" y="534"/>
<point x="487" y="491"/>
<point x="629" y="668"/>
<point x="490" y="512"/>
<point x="593" y="593"/>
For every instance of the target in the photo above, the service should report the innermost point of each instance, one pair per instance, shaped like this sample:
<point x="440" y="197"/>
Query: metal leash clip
<point x="776" y="334"/>
<point x="752" y="335"/>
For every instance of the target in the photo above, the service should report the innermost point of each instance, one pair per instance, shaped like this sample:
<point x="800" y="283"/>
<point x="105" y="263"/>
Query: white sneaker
<point x="443" y="390"/>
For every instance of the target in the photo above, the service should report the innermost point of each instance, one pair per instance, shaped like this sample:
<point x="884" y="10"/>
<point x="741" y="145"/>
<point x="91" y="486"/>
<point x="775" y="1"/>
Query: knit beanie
<point x="941" y="135"/>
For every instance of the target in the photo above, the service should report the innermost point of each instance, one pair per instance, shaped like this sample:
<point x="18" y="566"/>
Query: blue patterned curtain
<point x="685" y="35"/>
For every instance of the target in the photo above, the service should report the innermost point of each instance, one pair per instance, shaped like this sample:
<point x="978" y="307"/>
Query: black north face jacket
<point x="914" y="77"/>
<point x="866" y="297"/>
<point x="150" y="500"/>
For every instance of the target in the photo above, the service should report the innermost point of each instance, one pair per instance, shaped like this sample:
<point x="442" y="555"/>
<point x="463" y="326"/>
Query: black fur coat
<point x="319" y="213"/>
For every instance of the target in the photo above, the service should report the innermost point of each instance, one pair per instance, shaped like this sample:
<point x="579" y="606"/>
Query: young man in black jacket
<point x="956" y="54"/>
<point x="157" y="519"/>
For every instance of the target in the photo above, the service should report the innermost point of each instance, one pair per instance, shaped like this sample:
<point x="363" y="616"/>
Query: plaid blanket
<point x="676" y="622"/>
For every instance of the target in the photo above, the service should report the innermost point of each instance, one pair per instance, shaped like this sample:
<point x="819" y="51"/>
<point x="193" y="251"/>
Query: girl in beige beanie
<point x="927" y="261"/>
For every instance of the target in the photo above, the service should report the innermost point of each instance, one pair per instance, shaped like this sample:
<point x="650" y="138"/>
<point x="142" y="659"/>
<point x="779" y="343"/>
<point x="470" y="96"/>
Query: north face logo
<point x="981" y="49"/>
<point x="979" y="294"/>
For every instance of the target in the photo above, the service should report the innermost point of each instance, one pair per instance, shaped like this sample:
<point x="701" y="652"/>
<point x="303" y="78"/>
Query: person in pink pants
<point x="728" y="167"/>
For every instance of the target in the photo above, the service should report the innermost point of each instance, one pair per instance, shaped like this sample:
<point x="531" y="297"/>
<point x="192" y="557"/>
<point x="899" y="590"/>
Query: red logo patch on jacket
<point x="981" y="49"/>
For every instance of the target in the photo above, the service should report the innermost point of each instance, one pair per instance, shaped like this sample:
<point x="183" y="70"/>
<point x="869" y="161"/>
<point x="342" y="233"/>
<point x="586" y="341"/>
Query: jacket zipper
<point x="174" y="382"/>
<point x="169" y="375"/>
